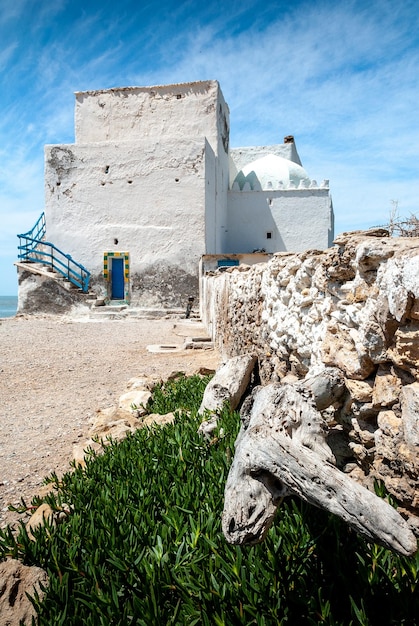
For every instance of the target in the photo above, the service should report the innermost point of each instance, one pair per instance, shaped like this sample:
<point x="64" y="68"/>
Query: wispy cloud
<point x="6" y="55"/>
<point x="341" y="77"/>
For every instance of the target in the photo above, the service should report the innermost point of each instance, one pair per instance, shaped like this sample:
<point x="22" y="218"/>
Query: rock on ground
<point x="57" y="373"/>
<point x="16" y="580"/>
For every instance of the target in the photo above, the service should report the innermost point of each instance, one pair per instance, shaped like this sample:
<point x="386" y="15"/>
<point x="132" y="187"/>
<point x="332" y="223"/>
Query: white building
<point x="150" y="186"/>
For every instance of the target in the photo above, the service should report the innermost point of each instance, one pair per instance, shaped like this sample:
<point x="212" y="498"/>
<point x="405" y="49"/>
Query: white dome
<point x="272" y="172"/>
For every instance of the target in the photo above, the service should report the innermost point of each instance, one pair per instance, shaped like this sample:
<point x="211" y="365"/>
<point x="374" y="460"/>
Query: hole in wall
<point x="269" y="235"/>
<point x="58" y="183"/>
<point x="115" y="241"/>
<point x="129" y="182"/>
<point x="178" y="96"/>
<point x="176" y="180"/>
<point x="106" y="170"/>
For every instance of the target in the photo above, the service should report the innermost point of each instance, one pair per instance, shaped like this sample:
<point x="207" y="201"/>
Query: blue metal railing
<point x="33" y="248"/>
<point x="38" y="232"/>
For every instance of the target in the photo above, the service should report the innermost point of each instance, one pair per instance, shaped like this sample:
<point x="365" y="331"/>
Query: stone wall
<point x="356" y="307"/>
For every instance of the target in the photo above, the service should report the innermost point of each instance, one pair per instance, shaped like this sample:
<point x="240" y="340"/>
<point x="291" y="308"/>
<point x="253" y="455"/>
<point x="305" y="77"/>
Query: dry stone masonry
<point x="344" y="322"/>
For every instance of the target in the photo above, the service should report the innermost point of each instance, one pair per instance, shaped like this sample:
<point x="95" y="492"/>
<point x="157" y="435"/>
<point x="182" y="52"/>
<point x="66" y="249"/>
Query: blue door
<point x="118" y="279"/>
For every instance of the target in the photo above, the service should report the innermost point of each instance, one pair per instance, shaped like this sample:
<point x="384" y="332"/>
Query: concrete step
<point x="119" y="311"/>
<point x="139" y="312"/>
<point x="199" y="344"/>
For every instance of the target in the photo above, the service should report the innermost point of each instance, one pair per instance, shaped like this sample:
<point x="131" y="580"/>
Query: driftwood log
<point x="281" y="450"/>
<point x="227" y="387"/>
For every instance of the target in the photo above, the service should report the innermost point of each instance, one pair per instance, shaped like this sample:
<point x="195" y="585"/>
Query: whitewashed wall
<point x="146" y="176"/>
<point x="149" y="175"/>
<point x="297" y="219"/>
<point x="211" y="234"/>
<point x="153" y="206"/>
<point x="129" y="113"/>
<point x="220" y="216"/>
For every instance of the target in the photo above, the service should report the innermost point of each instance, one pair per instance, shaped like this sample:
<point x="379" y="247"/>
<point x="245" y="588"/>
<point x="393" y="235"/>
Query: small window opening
<point x="106" y="170"/>
<point x="269" y="235"/>
<point x="115" y="241"/>
<point x="227" y="262"/>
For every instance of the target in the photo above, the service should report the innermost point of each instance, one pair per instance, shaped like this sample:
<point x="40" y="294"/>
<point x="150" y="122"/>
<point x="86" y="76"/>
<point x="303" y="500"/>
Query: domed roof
<point x="272" y="172"/>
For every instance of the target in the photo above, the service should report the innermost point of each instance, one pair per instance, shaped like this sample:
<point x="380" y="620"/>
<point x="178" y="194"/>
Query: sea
<point x="8" y="306"/>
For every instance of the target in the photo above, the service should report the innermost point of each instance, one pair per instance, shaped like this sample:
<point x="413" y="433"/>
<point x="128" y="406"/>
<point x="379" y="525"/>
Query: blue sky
<point x="342" y="77"/>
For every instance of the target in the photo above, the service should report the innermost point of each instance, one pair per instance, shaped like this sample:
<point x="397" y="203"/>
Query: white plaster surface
<point x="240" y="157"/>
<point x="158" y="112"/>
<point x="149" y="175"/>
<point x="270" y="172"/>
<point x="151" y="203"/>
<point x="296" y="219"/>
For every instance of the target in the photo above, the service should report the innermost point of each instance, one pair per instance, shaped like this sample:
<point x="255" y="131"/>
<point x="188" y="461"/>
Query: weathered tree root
<point x="281" y="450"/>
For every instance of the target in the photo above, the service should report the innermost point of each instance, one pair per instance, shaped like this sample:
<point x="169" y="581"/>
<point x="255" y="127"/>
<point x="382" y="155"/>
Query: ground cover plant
<point x="143" y="545"/>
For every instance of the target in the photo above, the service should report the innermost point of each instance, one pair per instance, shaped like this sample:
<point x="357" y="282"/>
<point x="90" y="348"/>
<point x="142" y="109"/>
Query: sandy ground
<point x="55" y="373"/>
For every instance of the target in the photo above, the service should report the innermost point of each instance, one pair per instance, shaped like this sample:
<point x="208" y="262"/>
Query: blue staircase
<point x="34" y="249"/>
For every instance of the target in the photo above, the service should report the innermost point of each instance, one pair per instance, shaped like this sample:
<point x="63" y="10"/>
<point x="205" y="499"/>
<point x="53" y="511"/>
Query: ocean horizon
<point x="8" y="306"/>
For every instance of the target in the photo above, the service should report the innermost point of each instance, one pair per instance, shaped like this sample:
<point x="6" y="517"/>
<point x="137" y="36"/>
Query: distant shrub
<point x="398" y="226"/>
<point x="143" y="543"/>
<point x="404" y="227"/>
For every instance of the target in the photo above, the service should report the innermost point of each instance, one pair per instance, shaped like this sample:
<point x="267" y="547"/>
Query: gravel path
<point x="55" y="373"/>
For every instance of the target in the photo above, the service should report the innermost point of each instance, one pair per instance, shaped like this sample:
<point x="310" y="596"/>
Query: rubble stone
<point x="354" y="307"/>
